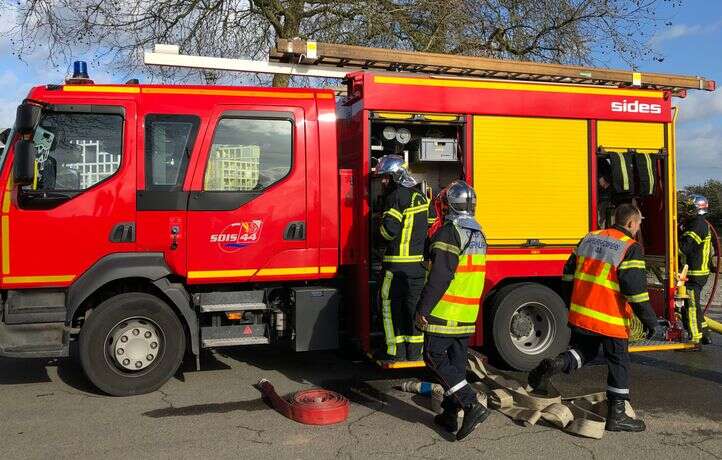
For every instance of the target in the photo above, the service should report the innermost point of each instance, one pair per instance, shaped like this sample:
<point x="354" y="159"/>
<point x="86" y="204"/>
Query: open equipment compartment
<point x="634" y="158"/>
<point x="433" y="146"/>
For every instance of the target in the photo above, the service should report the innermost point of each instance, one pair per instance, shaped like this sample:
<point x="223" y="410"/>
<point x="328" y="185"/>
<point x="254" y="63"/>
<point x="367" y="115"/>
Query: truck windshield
<point x="6" y="147"/>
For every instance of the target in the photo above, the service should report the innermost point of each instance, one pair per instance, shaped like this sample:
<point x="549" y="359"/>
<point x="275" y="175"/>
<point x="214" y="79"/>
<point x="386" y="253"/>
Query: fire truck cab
<point x="146" y="221"/>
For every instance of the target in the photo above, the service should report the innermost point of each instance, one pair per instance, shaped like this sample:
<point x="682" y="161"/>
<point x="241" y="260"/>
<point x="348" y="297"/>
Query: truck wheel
<point x="528" y="324"/>
<point x="132" y="344"/>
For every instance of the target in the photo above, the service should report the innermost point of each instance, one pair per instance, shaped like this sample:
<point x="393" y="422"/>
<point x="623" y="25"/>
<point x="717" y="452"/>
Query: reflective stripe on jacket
<point x="697" y="247"/>
<point x="597" y="302"/>
<point x="404" y="226"/>
<point x="456" y="312"/>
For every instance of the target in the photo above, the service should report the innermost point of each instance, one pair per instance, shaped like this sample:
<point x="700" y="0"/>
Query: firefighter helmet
<point x="394" y="166"/>
<point x="699" y="204"/>
<point x="461" y="198"/>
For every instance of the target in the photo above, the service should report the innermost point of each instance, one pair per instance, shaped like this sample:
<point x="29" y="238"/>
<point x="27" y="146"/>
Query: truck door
<point x="247" y="213"/>
<point x="58" y="227"/>
<point x="168" y="148"/>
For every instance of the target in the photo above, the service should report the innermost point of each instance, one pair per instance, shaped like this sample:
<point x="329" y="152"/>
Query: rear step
<point x="48" y="350"/>
<point x="210" y="302"/>
<point x="660" y="345"/>
<point x="229" y="336"/>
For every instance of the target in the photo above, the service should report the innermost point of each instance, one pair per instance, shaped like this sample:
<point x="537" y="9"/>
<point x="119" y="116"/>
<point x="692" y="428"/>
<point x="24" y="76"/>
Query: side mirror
<point x="4" y="136"/>
<point x="27" y="118"/>
<point x="24" y="164"/>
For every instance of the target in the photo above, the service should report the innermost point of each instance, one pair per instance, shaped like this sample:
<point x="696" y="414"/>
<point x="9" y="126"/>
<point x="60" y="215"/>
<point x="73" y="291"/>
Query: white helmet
<point x="461" y="198"/>
<point x="699" y="203"/>
<point x="394" y="166"/>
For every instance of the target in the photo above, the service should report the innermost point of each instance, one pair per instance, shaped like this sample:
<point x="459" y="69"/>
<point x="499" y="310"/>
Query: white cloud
<point x="699" y="105"/>
<point x="699" y="153"/>
<point x="12" y="91"/>
<point x="683" y="30"/>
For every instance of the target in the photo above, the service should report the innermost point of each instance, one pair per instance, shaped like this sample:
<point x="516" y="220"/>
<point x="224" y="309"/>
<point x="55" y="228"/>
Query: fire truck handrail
<point x="168" y="55"/>
<point x="347" y="56"/>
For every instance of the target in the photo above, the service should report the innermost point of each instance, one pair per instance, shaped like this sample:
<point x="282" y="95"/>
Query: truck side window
<point x="249" y="155"/>
<point x="77" y="150"/>
<point x="169" y="140"/>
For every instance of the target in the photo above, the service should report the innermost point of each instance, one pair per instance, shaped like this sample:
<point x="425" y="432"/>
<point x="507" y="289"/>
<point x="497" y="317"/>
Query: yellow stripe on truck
<point x="288" y="271"/>
<point x="537" y="87"/>
<point x="229" y="92"/>
<point x="101" y="89"/>
<point x="6" y="244"/>
<point x="220" y="273"/>
<point x="209" y="274"/>
<point x="38" y="279"/>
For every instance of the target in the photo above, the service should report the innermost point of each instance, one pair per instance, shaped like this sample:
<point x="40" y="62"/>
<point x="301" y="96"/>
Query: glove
<point x="421" y="322"/>
<point x="655" y="332"/>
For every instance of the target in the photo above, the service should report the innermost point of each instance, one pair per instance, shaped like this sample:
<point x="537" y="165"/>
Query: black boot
<point x="474" y="415"/>
<point x="706" y="338"/>
<point x="539" y="376"/>
<point x="618" y="420"/>
<point x="448" y="420"/>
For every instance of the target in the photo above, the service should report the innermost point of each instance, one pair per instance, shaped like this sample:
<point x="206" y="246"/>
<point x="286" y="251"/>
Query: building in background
<point x="94" y="165"/>
<point x="233" y="168"/>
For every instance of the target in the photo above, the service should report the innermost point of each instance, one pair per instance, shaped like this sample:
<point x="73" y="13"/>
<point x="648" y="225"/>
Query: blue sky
<point x="691" y="45"/>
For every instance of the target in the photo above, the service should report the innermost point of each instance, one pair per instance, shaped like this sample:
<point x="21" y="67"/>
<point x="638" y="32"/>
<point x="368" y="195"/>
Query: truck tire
<point x="528" y="323"/>
<point x="132" y="344"/>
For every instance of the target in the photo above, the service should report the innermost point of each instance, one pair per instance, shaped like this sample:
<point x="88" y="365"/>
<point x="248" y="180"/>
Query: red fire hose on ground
<point x="312" y="407"/>
<point x="713" y="325"/>
<point x="717" y="266"/>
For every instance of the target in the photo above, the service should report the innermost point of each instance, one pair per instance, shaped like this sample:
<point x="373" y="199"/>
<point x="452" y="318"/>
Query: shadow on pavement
<point x="202" y="409"/>
<point x="361" y="382"/>
<point x="23" y="371"/>
<point x="693" y="371"/>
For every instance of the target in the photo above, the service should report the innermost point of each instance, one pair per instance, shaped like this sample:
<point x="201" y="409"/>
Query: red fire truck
<point x="147" y="221"/>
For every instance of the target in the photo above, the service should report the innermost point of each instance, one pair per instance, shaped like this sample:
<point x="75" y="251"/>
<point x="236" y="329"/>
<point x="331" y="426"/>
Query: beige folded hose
<point x="580" y="415"/>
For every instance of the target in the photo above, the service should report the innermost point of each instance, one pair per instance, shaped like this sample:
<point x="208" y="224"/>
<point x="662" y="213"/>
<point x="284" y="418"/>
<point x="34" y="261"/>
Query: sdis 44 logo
<point x="238" y="235"/>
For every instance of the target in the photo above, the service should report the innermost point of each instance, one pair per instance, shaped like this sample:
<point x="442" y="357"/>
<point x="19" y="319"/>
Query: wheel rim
<point x="532" y="328"/>
<point x="134" y="345"/>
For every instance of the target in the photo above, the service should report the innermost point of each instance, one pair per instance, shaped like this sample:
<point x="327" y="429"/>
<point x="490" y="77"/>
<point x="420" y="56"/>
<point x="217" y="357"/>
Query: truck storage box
<point x="316" y="318"/>
<point x="437" y="149"/>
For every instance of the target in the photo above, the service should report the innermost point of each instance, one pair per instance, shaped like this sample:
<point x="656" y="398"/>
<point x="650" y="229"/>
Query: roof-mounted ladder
<point x="326" y="60"/>
<point x="347" y="56"/>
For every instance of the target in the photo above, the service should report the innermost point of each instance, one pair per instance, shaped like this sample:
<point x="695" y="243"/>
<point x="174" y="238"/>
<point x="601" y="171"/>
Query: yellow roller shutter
<point x="531" y="176"/>
<point x="623" y="135"/>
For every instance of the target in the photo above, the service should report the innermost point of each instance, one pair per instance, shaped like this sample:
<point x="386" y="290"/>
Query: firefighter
<point x="449" y="305"/>
<point x="608" y="275"/>
<point x="403" y="228"/>
<point x="696" y="245"/>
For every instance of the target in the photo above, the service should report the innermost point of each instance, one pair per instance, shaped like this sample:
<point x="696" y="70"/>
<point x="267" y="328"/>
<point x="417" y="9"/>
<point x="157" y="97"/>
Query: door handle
<point x="123" y="233"/>
<point x="295" y="231"/>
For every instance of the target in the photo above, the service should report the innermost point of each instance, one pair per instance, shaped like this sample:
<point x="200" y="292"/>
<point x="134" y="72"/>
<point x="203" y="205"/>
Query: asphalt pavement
<point x="48" y="409"/>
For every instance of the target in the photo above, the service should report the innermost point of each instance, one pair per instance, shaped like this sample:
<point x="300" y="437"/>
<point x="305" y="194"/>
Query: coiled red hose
<point x="312" y="407"/>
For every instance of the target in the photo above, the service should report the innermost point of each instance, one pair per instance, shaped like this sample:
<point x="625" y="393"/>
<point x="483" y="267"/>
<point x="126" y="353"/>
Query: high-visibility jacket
<point x="697" y="247"/>
<point x="404" y="224"/>
<point x="597" y="303"/>
<point x="456" y="311"/>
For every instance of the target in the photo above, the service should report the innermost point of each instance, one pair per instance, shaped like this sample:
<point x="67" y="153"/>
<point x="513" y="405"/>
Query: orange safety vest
<point x="597" y="302"/>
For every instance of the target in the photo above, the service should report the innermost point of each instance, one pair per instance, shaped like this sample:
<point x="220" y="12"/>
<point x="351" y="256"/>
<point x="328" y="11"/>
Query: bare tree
<point x="115" y="32"/>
